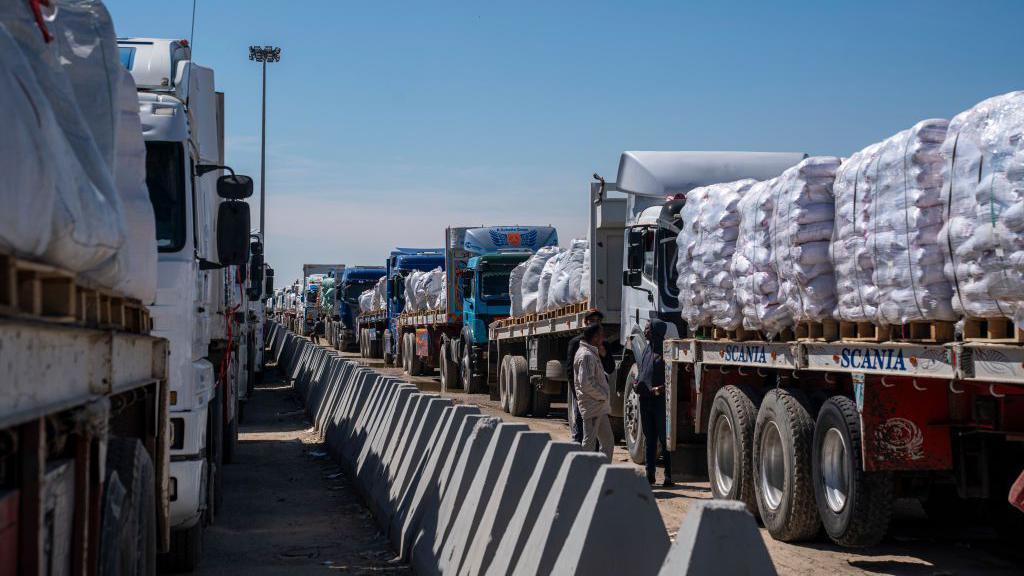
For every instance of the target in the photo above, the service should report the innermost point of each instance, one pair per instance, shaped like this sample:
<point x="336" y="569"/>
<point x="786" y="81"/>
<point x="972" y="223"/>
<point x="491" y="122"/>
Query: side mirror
<point x="233" y="233"/>
<point x="256" y="275"/>
<point x="467" y="286"/>
<point x="631" y="278"/>
<point x="635" y="249"/>
<point x="235" y="187"/>
<point x="268" y="284"/>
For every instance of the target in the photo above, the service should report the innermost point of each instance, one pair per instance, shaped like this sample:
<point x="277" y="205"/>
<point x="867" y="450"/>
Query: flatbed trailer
<point x="862" y="423"/>
<point x="85" y="434"/>
<point x="424" y="333"/>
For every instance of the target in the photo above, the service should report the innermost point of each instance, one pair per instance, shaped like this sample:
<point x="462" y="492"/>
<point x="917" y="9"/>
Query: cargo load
<point x="983" y="236"/>
<point x="706" y="244"/>
<point x="885" y="247"/>
<point x="379" y="300"/>
<point x="366" y="301"/>
<point x="532" y="288"/>
<point x="565" y="281"/>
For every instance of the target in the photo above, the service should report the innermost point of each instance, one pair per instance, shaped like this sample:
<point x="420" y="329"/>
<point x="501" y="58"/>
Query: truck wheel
<point x="186" y="549"/>
<point x="541" y="403"/>
<point x="472" y="382"/>
<point x="231" y="438"/>
<point x="404" y="343"/>
<point x="783" y="438"/>
<point x="519" y="399"/>
<point x="635" y="441"/>
<point x="362" y="342"/>
<point x="730" y="446"/>
<point x="503" y="377"/>
<point x="128" y="533"/>
<point x="854" y="505"/>
<point x="449" y="369"/>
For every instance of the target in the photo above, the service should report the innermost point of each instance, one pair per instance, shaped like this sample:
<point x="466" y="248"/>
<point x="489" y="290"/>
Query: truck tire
<point x="783" y="438"/>
<point x="541" y="403"/>
<point x="730" y="445"/>
<point x="231" y="438"/>
<point x="403" y="340"/>
<point x="472" y="381"/>
<point x="519" y="380"/>
<point x="186" y="549"/>
<point x="503" y="380"/>
<point x="128" y="532"/>
<point x="855" y="506"/>
<point x="449" y="370"/>
<point x="636" y="444"/>
<point x="361" y="338"/>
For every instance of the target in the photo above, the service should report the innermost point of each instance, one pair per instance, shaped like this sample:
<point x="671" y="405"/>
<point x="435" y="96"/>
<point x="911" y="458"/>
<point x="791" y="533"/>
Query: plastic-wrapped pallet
<point x="566" y="272"/>
<point x="984" y="233"/>
<point x="886" y="247"/>
<point x="584" y="287"/>
<point x="708" y="245"/>
<point x="547" y="277"/>
<point x="531" y="288"/>
<point x="515" y="287"/>
<point x="379" y="300"/>
<point x="753" y="263"/>
<point x="87" y="224"/>
<point x="366" y="301"/>
<point x="428" y="286"/>
<point x="441" y="300"/>
<point x="801" y="232"/>
<point x="412" y="295"/>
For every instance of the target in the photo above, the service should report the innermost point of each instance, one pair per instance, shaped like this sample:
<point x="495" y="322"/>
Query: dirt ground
<point x="287" y="509"/>
<point x="912" y="548"/>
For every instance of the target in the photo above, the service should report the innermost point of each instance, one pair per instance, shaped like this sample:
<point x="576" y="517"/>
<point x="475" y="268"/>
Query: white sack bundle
<point x="984" y="234"/>
<point x="379" y="301"/>
<point x="705" y="274"/>
<point x="515" y="288"/>
<point x="885" y="246"/>
<point x="531" y="288"/>
<point x="753" y="263"/>
<point x="366" y="301"/>
<point x="801" y="232"/>
<point x="566" y="273"/>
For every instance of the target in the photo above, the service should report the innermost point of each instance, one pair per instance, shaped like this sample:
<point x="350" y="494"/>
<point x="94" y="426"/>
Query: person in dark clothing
<point x="318" y="329"/>
<point x="593" y="316"/>
<point x="650" y="388"/>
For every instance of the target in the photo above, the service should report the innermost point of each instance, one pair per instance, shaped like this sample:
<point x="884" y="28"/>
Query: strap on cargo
<point x="37" y="13"/>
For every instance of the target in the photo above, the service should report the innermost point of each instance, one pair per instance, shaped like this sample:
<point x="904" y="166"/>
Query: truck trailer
<point x="478" y="263"/>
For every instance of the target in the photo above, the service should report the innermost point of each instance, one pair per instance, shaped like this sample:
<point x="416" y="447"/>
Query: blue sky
<point x="388" y="121"/>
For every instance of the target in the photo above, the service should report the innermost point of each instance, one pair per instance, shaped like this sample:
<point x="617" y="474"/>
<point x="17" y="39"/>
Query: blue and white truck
<point x="348" y="285"/>
<point x="477" y="264"/>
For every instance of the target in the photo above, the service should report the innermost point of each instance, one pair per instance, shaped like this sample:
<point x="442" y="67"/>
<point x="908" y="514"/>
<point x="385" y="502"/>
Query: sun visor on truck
<point x="508" y="238"/>
<point x="663" y="174"/>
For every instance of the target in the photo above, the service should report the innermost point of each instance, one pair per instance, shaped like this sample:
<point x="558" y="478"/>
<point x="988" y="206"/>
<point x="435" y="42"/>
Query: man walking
<point x="593" y="316"/>
<point x="318" y="329"/>
<point x="650" y="389"/>
<point x="591" y="386"/>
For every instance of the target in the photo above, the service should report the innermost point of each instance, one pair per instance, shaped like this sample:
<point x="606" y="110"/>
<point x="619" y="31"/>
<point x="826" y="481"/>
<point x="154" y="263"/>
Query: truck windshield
<point x="165" y="178"/>
<point x="354" y="289"/>
<point x="494" y="285"/>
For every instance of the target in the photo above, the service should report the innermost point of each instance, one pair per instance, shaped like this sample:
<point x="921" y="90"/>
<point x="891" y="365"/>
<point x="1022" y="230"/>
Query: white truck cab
<point x="182" y="123"/>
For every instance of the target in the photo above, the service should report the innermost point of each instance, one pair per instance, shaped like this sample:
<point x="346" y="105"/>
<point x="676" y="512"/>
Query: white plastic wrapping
<point x="138" y="256"/>
<point x="515" y="288"/>
<point x="705" y="251"/>
<point x="886" y="248"/>
<point x="366" y="301"/>
<point x="531" y="287"/>
<point x="984" y="234"/>
<point x="379" y="299"/>
<point x="753" y="262"/>
<point x="567" y="270"/>
<point x="801" y="232"/>
<point x="86" y="223"/>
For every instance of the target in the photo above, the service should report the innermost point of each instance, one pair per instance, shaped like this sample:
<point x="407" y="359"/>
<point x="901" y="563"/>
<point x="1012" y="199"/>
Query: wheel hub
<point x="724" y="454"/>
<point x="772" y="471"/>
<point x="835" y="471"/>
<point x="632" y="415"/>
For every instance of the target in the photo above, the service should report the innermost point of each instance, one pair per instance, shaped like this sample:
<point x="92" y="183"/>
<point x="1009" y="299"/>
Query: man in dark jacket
<point x="650" y="388"/>
<point x="593" y="316"/>
<point x="318" y="329"/>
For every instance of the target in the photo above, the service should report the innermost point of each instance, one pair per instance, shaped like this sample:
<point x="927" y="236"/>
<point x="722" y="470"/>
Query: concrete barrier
<point x="618" y="529"/>
<point x="415" y="451"/>
<point x="499" y="504"/>
<point x="718" y="537"/>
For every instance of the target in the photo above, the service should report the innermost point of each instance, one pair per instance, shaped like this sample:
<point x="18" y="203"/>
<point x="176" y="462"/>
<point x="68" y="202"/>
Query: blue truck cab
<point x="349" y="284"/>
<point x="401" y="262"/>
<point x="486" y="294"/>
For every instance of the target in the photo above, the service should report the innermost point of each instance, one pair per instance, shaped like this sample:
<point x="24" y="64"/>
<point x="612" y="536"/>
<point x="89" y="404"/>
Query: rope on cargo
<point x="37" y="13"/>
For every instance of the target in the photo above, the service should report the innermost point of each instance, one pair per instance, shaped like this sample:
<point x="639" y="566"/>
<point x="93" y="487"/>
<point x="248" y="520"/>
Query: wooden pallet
<point x="43" y="292"/>
<point x="861" y="332"/>
<point x="1001" y="330"/>
<point x="937" y="332"/>
<point x="738" y="335"/>
<point x="826" y="330"/>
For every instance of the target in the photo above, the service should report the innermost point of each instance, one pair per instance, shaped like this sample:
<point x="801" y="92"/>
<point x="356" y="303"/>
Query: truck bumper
<point x="188" y="467"/>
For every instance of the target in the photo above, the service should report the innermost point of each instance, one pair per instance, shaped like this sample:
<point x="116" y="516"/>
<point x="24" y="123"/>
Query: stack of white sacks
<point x="425" y="290"/>
<point x="983" y="172"/>
<point x="550" y="279"/>
<point x="706" y="245"/>
<point x="886" y="249"/>
<point x="72" y="156"/>
<point x="378" y="301"/>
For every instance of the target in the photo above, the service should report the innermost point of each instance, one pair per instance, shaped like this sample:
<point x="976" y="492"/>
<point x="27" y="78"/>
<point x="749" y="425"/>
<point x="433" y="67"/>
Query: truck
<point x="349" y="284"/>
<point x="312" y="274"/>
<point x="454" y="339"/>
<point x="377" y="328"/>
<point x="203" y="240"/>
<point x="632" y="277"/>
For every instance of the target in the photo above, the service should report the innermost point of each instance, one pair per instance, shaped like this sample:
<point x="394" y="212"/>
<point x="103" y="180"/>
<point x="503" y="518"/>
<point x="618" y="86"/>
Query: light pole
<point x="264" y="55"/>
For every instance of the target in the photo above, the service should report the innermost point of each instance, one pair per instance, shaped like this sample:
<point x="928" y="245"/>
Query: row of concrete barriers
<point x="459" y="492"/>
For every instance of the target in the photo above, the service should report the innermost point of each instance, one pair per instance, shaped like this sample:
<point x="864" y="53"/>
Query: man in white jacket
<point x="592" y="392"/>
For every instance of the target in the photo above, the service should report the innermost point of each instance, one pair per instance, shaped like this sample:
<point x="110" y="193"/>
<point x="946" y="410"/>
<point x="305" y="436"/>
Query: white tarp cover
<point x="706" y="245"/>
<point x="366" y="301"/>
<point x="984" y="234"/>
<point x="379" y="299"/>
<point x="753" y="263"/>
<point x="86" y="223"/>
<point x="889" y="210"/>
<point x="567" y="269"/>
<point x="515" y="287"/>
<point x="801" y="232"/>
<point x="532" y="289"/>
